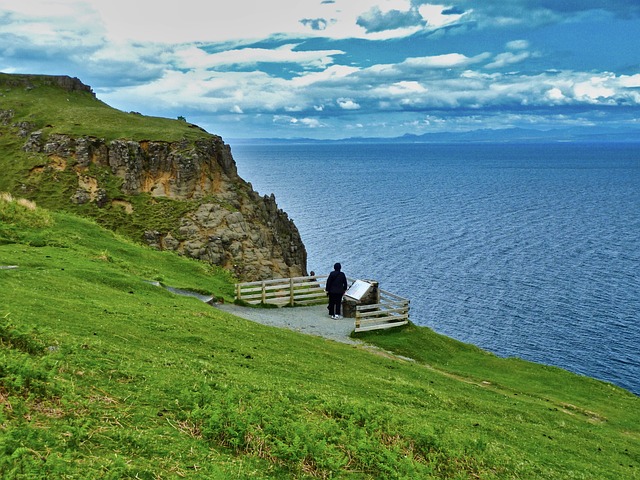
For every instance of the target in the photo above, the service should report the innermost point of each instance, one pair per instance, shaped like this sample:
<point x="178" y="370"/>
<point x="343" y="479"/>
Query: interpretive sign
<point x="358" y="289"/>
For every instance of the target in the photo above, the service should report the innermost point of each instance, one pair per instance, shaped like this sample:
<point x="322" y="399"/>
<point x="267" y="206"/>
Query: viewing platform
<point x="371" y="307"/>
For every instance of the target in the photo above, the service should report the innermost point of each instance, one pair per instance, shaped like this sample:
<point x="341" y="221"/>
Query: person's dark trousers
<point x="334" y="303"/>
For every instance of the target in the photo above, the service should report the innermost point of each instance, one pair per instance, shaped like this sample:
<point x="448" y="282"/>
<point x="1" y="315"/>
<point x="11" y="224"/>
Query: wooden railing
<point x="392" y="311"/>
<point x="283" y="291"/>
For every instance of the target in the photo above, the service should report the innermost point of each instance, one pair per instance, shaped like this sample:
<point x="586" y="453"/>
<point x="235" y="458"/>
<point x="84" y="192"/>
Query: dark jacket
<point x="336" y="282"/>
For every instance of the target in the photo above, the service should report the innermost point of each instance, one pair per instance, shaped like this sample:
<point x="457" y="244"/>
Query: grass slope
<point x="104" y="375"/>
<point x="52" y="109"/>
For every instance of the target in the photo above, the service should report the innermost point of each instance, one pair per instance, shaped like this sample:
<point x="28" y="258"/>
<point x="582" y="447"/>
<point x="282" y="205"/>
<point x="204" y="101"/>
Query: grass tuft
<point x="22" y="211"/>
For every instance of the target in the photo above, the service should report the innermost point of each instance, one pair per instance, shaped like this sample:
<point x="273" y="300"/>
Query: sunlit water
<point x="530" y="250"/>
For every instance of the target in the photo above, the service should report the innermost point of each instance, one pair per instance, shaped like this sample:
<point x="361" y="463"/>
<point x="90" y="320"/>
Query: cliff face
<point x="227" y="223"/>
<point x="232" y="226"/>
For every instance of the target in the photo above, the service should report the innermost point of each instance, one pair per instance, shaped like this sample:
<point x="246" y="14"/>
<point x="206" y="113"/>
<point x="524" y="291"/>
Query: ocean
<point x="529" y="251"/>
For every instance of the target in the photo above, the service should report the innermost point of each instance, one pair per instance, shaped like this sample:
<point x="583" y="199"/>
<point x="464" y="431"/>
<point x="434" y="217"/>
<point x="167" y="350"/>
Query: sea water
<point x="530" y="251"/>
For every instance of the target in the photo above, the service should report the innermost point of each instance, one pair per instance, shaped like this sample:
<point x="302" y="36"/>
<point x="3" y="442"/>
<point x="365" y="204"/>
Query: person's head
<point x="337" y="267"/>
<point x="312" y="273"/>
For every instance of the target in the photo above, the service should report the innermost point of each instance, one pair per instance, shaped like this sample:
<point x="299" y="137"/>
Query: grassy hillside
<point x="104" y="375"/>
<point x="42" y="104"/>
<point x="52" y="109"/>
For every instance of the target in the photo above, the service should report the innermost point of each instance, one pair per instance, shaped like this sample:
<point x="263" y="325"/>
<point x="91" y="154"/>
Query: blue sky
<point x="341" y="68"/>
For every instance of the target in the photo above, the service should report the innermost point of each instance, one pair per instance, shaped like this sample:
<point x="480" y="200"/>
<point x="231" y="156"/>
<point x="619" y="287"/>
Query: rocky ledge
<point x="230" y="225"/>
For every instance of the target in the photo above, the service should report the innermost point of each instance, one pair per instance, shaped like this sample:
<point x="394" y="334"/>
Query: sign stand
<point x="361" y="292"/>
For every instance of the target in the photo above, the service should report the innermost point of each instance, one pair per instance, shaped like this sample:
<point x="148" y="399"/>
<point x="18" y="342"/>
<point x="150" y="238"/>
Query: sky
<point x="330" y="69"/>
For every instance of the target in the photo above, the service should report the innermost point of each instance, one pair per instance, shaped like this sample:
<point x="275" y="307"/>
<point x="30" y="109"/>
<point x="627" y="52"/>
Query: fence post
<point x="291" y="291"/>
<point x="264" y="292"/>
<point x="238" y="291"/>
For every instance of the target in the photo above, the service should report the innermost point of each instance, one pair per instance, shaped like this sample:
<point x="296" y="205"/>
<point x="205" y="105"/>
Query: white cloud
<point x="555" y="94"/>
<point x="449" y="60"/>
<point x="435" y="18"/>
<point x="189" y="21"/>
<point x="331" y="74"/>
<point x="393" y="89"/>
<point x="508" y="58"/>
<point x="518" y="45"/>
<point x="192" y="56"/>
<point x="207" y="92"/>
<point x="196" y="21"/>
<point x="594" y="89"/>
<point x="630" y="81"/>
<point x="257" y="60"/>
<point x="305" y="122"/>
<point x="405" y="88"/>
<point x="347" y="104"/>
<point x="389" y="5"/>
<point x="51" y="23"/>
<point x="311" y="122"/>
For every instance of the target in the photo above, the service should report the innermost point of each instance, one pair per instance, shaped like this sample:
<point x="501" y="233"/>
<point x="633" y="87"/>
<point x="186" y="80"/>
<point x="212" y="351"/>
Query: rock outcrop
<point x="69" y="84"/>
<point x="230" y="225"/>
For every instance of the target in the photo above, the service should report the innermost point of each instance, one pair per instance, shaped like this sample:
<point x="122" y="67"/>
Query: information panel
<point x="358" y="289"/>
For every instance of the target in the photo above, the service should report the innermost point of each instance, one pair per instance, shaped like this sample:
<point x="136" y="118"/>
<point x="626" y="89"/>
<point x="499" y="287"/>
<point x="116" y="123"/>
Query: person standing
<point x="336" y="287"/>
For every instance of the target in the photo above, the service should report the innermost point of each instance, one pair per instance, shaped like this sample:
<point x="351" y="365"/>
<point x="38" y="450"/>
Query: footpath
<point x="312" y="320"/>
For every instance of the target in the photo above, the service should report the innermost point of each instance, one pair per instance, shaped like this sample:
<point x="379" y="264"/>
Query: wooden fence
<point x="283" y="291"/>
<point x="392" y="311"/>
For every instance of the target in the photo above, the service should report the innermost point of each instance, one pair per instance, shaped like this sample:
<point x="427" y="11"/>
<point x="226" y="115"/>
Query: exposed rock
<point x="101" y="198"/>
<point x="25" y="128"/>
<point x="63" y="81"/>
<point x="81" y="197"/>
<point x="153" y="238"/>
<point x="239" y="230"/>
<point x="6" y="116"/>
<point x="170" y="243"/>
<point x="34" y="142"/>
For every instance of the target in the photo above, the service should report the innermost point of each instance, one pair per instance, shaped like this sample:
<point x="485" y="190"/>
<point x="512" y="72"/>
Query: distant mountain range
<point x="508" y="135"/>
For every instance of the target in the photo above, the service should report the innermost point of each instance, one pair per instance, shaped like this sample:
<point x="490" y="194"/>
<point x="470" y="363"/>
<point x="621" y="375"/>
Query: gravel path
<point x="310" y="320"/>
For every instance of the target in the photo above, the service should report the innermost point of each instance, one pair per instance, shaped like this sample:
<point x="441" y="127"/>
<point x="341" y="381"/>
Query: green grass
<point x="104" y="375"/>
<point x="512" y="376"/>
<point x="54" y="110"/>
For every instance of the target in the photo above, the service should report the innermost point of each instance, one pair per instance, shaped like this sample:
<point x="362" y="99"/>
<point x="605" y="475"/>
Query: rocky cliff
<point x="227" y="223"/>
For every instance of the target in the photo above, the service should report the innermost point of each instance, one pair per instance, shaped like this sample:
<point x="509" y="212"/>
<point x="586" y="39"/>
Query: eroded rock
<point x="238" y="230"/>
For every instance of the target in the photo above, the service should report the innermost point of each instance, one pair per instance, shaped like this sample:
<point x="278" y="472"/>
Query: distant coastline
<point x="484" y="136"/>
